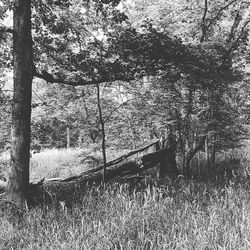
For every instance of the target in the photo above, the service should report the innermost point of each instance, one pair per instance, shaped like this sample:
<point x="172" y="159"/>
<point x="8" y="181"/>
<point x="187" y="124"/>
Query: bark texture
<point x="18" y="183"/>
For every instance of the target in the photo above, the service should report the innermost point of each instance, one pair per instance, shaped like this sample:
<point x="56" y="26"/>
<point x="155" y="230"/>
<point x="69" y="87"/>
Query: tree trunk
<point x="213" y="152"/>
<point x="207" y="154"/>
<point x="191" y="153"/>
<point x="198" y="162"/>
<point x="103" y="134"/>
<point x="168" y="166"/>
<point x="68" y="137"/>
<point x="18" y="183"/>
<point x="132" y="132"/>
<point x="80" y="140"/>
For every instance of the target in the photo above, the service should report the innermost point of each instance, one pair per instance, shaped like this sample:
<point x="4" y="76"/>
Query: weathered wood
<point x="120" y="167"/>
<point x="122" y="158"/>
<point x="110" y="163"/>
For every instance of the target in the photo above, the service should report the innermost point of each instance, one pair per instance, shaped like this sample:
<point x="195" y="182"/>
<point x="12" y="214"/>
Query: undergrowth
<point x="202" y="213"/>
<point x="180" y="215"/>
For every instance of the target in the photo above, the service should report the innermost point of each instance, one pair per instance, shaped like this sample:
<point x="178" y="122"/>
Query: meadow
<point x="212" y="213"/>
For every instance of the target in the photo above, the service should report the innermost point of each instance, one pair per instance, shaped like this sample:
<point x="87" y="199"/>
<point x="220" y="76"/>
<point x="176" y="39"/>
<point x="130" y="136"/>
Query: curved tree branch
<point x="82" y="82"/>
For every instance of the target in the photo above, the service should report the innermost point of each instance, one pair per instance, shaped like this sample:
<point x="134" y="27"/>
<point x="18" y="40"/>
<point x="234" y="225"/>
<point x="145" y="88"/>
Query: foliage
<point x="69" y="45"/>
<point x="193" y="57"/>
<point x="5" y="110"/>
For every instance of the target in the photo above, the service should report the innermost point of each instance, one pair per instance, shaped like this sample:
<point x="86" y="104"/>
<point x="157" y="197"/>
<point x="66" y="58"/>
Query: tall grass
<point x="186" y="215"/>
<point x="180" y="214"/>
<point x="55" y="163"/>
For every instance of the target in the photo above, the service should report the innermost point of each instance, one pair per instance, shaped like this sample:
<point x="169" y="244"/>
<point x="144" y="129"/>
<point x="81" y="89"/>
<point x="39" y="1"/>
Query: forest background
<point x="180" y="67"/>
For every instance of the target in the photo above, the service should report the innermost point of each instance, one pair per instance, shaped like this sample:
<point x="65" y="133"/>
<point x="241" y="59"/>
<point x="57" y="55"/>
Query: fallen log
<point x="110" y="165"/>
<point x="117" y="170"/>
<point x="120" y="167"/>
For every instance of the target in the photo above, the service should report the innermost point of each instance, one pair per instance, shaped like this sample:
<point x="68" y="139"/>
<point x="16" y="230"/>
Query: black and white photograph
<point x="124" y="124"/>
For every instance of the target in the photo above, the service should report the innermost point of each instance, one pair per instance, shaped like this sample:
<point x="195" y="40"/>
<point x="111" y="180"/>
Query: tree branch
<point x="232" y="47"/>
<point x="204" y="28"/>
<point x="51" y="79"/>
<point x="234" y="27"/>
<point x="219" y="12"/>
<point x="114" y="110"/>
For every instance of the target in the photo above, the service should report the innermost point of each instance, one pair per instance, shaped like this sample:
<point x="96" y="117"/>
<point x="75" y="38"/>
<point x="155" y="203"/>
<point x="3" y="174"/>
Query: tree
<point x="18" y="183"/>
<point x="216" y="32"/>
<point x="103" y="133"/>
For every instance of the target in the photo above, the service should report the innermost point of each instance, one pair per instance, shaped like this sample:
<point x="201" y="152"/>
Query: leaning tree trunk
<point x="191" y="153"/>
<point x="18" y="183"/>
<point x="168" y="165"/>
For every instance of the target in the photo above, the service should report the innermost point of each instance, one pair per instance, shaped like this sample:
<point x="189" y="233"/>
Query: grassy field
<point x="180" y="214"/>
